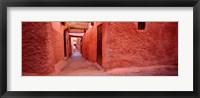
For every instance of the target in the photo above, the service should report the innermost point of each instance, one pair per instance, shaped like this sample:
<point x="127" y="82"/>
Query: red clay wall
<point x="89" y="47"/>
<point x="57" y="40"/>
<point x="42" y="46"/>
<point x="124" y="45"/>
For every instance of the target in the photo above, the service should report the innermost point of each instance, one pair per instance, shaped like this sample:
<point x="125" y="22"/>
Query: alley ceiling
<point x="78" y="27"/>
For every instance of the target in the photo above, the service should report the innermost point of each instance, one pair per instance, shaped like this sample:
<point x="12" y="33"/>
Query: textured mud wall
<point x="42" y="46"/>
<point x="89" y="47"/>
<point x="36" y="57"/>
<point x="125" y="45"/>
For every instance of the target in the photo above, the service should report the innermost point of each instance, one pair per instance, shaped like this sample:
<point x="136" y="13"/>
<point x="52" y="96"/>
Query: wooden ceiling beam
<point x="78" y="28"/>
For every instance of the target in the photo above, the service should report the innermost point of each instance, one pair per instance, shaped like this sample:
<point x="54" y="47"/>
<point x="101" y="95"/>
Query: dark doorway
<point x="65" y="43"/>
<point x="99" y="44"/>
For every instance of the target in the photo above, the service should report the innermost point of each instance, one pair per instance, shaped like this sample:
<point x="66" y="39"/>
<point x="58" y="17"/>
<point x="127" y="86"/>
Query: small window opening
<point x="141" y="25"/>
<point x="92" y="23"/>
<point x="63" y="23"/>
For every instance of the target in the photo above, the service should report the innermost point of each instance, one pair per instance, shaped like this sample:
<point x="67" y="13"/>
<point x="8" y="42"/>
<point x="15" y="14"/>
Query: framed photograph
<point x="121" y="48"/>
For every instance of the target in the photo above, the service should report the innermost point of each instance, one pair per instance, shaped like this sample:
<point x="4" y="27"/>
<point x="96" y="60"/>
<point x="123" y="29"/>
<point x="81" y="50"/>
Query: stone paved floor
<point x="78" y="66"/>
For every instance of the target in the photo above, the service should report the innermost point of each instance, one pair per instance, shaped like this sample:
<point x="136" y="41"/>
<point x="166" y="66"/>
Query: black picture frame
<point x="99" y="3"/>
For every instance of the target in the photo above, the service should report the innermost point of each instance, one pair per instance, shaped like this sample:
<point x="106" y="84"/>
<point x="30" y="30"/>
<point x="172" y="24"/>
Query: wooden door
<point x="99" y="44"/>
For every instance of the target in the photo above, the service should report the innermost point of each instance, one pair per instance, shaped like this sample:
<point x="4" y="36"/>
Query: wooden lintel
<point x="78" y="28"/>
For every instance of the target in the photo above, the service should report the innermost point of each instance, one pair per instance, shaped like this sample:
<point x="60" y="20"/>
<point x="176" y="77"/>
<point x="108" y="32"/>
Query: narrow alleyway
<point x="100" y="49"/>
